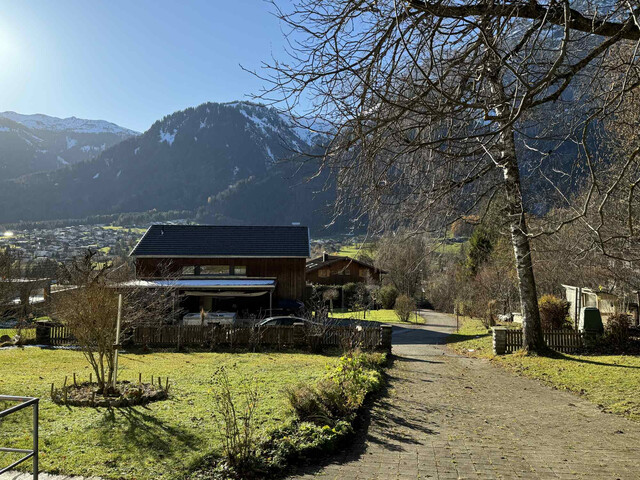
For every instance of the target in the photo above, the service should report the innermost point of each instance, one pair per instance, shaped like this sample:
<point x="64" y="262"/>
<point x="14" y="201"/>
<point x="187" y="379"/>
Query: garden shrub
<point x="617" y="330"/>
<point x="404" y="307"/>
<point x="324" y="411"/>
<point x="386" y="296"/>
<point x="554" y="312"/>
<point x="349" y="293"/>
<point x="308" y="404"/>
<point x="343" y="390"/>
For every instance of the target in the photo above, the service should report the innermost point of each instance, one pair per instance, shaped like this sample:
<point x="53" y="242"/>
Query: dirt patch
<point x="127" y="394"/>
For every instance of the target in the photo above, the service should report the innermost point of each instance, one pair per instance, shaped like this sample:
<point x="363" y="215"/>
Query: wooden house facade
<point x="338" y="270"/>
<point x="227" y="267"/>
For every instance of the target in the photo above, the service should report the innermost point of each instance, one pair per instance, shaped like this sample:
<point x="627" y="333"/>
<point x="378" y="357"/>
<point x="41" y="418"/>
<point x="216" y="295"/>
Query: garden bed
<point x="127" y="394"/>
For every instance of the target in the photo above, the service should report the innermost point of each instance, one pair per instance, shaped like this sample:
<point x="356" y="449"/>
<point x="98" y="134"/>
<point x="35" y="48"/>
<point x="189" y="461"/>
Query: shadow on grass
<point x="552" y="354"/>
<point x="139" y="430"/>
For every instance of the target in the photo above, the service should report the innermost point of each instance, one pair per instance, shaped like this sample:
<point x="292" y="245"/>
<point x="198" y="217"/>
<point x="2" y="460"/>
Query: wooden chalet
<point x="246" y="269"/>
<point x="338" y="270"/>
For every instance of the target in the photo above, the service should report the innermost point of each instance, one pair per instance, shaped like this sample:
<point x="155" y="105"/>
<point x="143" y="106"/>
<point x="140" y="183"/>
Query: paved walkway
<point x="41" y="476"/>
<point x="452" y="417"/>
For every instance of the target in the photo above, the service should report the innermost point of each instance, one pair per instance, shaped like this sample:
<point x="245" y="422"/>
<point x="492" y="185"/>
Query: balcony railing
<point x="23" y="402"/>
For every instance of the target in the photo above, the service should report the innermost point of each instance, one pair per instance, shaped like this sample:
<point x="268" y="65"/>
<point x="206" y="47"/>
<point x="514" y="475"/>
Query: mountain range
<point x="34" y="143"/>
<point x="226" y="162"/>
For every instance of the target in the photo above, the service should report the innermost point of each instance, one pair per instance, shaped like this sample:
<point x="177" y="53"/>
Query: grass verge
<point x="163" y="440"/>
<point x="610" y="381"/>
<point x="383" y="316"/>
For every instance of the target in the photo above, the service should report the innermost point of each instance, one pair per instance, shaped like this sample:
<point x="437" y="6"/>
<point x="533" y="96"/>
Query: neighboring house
<point x="337" y="270"/>
<point x="251" y="269"/>
<point x="579" y="297"/>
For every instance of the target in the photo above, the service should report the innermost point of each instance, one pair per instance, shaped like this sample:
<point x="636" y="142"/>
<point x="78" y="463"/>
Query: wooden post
<point x="455" y="309"/>
<point x="115" y="360"/>
<point x="387" y="331"/>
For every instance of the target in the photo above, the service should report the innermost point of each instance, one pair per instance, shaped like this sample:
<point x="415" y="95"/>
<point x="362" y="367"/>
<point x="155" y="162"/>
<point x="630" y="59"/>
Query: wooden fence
<point x="564" y="341"/>
<point x="212" y="336"/>
<point x="60" y="335"/>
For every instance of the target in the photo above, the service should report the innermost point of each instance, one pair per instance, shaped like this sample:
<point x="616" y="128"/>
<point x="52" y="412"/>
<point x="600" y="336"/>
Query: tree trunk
<point x="532" y="339"/>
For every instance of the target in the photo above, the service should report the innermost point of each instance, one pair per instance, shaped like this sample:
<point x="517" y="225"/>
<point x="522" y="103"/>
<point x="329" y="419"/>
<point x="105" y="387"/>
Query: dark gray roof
<point x="223" y="241"/>
<point x="326" y="260"/>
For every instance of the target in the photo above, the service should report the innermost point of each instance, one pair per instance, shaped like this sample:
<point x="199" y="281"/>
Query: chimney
<point x="325" y="256"/>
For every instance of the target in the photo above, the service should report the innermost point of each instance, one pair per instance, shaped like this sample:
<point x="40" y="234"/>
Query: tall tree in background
<point x="437" y="107"/>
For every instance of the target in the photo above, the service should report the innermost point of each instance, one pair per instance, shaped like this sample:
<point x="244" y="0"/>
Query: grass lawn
<point x="612" y="381"/>
<point x="27" y="333"/>
<point x="354" y="250"/>
<point x="384" y="316"/>
<point x="161" y="440"/>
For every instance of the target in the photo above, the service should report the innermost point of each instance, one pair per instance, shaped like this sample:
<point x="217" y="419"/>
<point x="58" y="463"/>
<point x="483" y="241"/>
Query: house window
<point x="364" y="273"/>
<point x="240" y="270"/>
<point x="323" y="272"/>
<point x="345" y="271"/>
<point x="190" y="270"/>
<point x="214" y="270"/>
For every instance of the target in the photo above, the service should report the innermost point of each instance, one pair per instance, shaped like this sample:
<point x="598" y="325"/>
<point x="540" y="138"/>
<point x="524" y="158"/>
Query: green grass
<point x="384" y="316"/>
<point x="126" y="229"/>
<point x="443" y="247"/>
<point x="27" y="333"/>
<point x="355" y="250"/>
<point x="612" y="381"/>
<point x="162" y="440"/>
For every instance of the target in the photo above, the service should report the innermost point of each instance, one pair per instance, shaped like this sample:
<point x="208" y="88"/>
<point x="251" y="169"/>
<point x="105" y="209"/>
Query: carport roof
<point x="203" y="284"/>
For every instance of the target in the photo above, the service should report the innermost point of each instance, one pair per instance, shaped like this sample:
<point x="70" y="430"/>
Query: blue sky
<point x="130" y="62"/>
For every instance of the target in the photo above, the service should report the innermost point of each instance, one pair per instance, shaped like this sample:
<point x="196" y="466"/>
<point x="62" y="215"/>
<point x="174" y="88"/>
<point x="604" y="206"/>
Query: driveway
<point x="451" y="417"/>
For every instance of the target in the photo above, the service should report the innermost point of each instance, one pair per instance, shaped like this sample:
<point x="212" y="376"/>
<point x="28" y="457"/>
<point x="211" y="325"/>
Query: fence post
<point x="43" y="334"/>
<point x="386" y="335"/>
<point x="299" y="333"/>
<point x="499" y="340"/>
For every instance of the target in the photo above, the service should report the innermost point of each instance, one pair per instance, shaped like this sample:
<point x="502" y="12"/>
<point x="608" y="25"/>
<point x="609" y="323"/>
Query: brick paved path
<point x="451" y="417"/>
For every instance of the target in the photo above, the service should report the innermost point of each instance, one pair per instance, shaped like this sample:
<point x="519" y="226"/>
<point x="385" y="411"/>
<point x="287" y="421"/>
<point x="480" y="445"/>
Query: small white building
<point x="580" y="297"/>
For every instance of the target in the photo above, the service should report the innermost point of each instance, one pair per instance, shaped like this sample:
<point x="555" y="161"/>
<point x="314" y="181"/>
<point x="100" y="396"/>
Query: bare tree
<point x="90" y="310"/>
<point x="435" y="108"/>
<point x="402" y="256"/>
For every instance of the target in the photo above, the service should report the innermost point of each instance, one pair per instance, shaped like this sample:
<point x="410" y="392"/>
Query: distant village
<point x="61" y="244"/>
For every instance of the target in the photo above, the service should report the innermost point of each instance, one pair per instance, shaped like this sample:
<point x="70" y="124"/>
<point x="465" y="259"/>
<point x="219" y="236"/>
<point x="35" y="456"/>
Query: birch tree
<point x="437" y="108"/>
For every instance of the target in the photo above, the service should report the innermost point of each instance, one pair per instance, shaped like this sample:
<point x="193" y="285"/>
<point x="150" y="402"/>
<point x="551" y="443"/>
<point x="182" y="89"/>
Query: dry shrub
<point x="617" y="329"/>
<point x="554" y="312"/>
<point x="235" y="414"/>
<point x="404" y="307"/>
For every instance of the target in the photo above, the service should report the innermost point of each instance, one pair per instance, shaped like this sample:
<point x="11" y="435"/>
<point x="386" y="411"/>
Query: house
<point x="579" y="297"/>
<point x="338" y="270"/>
<point x="245" y="269"/>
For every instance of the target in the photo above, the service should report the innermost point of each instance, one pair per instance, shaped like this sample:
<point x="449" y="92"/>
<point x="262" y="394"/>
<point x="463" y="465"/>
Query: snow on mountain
<point x="228" y="162"/>
<point x="72" y="124"/>
<point x="168" y="137"/>
<point x="39" y="143"/>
